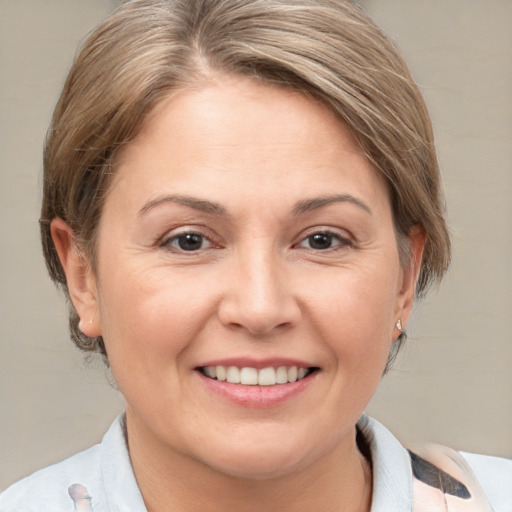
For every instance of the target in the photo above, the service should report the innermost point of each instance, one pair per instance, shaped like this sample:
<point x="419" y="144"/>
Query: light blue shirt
<point x="101" y="478"/>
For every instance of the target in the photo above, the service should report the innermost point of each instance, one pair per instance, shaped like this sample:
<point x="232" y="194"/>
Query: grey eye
<point x="188" y="242"/>
<point x="320" y="241"/>
<point x="324" y="240"/>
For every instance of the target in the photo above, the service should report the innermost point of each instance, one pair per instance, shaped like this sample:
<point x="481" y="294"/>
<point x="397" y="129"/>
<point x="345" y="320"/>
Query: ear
<point x="80" y="278"/>
<point x="407" y="291"/>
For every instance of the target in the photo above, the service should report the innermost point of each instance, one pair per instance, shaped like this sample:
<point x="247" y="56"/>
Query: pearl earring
<point x="81" y="325"/>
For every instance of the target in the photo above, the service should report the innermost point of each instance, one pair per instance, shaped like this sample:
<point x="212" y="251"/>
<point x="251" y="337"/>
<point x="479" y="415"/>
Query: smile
<point x="249" y="376"/>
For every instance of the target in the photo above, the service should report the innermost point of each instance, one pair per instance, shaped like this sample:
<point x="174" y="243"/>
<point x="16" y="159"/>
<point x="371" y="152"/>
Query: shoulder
<point x="495" y="476"/>
<point x="436" y="475"/>
<point x="99" y="479"/>
<point x="49" y="488"/>
<point x="461" y="480"/>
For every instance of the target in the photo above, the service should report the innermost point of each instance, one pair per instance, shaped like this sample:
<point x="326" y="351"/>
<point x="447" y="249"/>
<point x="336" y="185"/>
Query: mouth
<point x="249" y="376"/>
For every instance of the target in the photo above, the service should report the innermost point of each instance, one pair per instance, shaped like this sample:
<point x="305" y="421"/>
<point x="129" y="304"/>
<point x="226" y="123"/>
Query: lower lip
<point x="257" y="396"/>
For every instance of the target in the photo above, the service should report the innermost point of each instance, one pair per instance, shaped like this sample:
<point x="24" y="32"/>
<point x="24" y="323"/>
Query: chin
<point x="266" y="466"/>
<point x="262" y="457"/>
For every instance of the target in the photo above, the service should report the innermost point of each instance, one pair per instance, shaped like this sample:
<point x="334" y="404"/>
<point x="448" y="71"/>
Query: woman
<point x="241" y="200"/>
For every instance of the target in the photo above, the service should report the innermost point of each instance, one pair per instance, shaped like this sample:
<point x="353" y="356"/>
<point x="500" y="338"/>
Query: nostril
<point x="259" y="326"/>
<point x="259" y="311"/>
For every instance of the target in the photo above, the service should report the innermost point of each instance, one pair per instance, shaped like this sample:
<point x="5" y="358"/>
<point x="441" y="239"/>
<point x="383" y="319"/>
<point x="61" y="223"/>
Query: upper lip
<point x="248" y="362"/>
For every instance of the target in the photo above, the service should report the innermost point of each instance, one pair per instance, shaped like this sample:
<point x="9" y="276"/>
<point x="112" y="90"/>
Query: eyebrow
<point x="203" y="205"/>
<point x="308" y="205"/>
<point x="192" y="202"/>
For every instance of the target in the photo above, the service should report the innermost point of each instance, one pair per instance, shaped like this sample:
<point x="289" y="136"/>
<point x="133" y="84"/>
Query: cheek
<point x="152" y="315"/>
<point x="355" y="311"/>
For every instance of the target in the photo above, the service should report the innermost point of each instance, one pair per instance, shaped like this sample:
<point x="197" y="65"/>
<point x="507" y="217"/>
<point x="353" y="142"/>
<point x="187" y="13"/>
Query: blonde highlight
<point x="328" y="49"/>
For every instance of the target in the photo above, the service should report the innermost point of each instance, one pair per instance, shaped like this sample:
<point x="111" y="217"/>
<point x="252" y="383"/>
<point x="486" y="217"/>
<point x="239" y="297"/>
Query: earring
<point x="81" y="325"/>
<point x="399" y="326"/>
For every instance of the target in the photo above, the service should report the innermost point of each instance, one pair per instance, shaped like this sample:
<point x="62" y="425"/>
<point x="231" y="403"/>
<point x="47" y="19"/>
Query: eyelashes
<point x="193" y="241"/>
<point x="324" y="240"/>
<point x="188" y="242"/>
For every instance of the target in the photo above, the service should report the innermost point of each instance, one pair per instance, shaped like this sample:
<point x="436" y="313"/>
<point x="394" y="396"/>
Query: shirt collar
<point x="391" y="467"/>
<point x="122" y="493"/>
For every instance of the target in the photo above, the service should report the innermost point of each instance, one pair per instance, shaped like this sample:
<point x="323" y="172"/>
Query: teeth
<point x="292" y="374"/>
<point x="251" y="376"/>
<point x="210" y="371"/>
<point x="267" y="377"/>
<point x="282" y="375"/>
<point x="233" y="375"/>
<point x="301" y="373"/>
<point x="219" y="372"/>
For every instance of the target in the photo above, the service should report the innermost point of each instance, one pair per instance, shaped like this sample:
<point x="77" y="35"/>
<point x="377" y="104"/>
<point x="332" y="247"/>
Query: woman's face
<point x="246" y="236"/>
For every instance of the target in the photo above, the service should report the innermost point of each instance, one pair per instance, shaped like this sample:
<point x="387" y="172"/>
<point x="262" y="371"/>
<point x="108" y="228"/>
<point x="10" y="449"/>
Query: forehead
<point x="238" y="108"/>
<point x="237" y="132"/>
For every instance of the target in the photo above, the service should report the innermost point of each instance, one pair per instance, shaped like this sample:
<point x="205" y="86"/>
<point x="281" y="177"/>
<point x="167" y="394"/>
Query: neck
<point x="340" y="481"/>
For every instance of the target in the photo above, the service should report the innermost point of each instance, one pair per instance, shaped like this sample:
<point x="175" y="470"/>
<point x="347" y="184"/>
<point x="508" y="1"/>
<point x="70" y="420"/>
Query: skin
<point x="255" y="288"/>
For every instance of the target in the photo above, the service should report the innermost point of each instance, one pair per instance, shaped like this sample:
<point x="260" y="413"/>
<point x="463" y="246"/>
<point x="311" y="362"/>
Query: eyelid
<point x="174" y="233"/>
<point x="170" y="243"/>
<point x="344" y="238"/>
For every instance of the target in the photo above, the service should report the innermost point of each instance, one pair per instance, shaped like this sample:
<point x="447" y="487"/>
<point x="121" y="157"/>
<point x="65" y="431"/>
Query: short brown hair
<point x="329" y="49"/>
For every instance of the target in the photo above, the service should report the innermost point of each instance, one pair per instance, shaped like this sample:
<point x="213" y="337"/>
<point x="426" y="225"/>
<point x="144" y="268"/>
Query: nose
<point x="259" y="296"/>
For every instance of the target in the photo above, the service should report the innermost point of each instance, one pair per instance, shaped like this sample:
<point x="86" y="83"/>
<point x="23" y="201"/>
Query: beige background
<point x="453" y="383"/>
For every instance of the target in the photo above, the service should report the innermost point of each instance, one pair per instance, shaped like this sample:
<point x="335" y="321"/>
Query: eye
<point x="187" y="242"/>
<point x="324" y="240"/>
